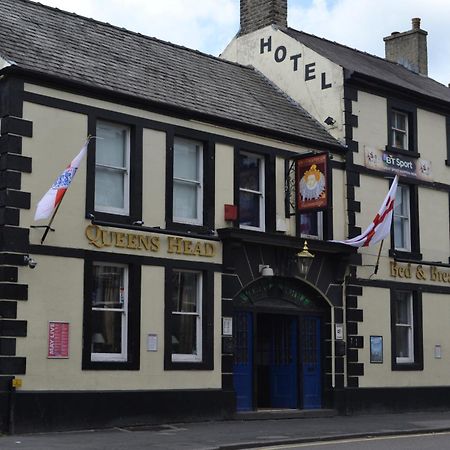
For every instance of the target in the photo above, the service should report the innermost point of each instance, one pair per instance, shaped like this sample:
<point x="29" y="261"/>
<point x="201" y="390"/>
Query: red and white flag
<point x="380" y="226"/>
<point x="55" y="194"/>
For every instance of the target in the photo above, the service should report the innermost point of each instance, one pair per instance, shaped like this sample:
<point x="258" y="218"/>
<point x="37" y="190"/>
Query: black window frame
<point x="207" y="227"/>
<point x="414" y="254"/>
<point x="135" y="170"/>
<point x="207" y="362"/>
<point x="269" y="186"/>
<point x="134" y="315"/>
<point x="410" y="110"/>
<point x="417" y="364"/>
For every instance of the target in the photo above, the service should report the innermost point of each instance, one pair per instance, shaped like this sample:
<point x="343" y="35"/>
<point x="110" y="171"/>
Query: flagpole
<point x="48" y="227"/>
<point x="375" y="271"/>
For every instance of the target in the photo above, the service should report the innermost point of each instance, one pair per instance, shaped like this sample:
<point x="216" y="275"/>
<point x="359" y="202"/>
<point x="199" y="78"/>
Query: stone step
<point x="274" y="414"/>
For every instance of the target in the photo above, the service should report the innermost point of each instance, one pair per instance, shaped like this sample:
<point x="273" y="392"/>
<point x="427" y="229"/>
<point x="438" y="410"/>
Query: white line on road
<point x="346" y="441"/>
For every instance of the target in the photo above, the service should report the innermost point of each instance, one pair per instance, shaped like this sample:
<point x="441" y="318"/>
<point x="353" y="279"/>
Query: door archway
<point x="278" y="345"/>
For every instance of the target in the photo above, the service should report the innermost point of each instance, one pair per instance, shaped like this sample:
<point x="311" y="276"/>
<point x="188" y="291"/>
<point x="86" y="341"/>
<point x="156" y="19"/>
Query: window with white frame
<point x="187" y="181"/>
<point x="109" y="312"/>
<point x="402" y="219"/>
<point x="251" y="192"/>
<point x="404" y="327"/>
<point x="400" y="132"/>
<point x="311" y="225"/>
<point x="186" y="316"/>
<point x="112" y="160"/>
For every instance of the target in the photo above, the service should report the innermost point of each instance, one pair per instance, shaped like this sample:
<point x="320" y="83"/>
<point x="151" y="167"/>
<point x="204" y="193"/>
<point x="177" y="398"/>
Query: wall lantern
<point x="304" y="260"/>
<point x="265" y="270"/>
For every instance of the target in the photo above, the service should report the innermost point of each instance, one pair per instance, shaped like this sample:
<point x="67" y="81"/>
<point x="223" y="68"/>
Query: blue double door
<point x="277" y="361"/>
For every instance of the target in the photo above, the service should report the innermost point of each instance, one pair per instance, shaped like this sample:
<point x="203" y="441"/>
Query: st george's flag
<point x="380" y="226"/>
<point x="54" y="195"/>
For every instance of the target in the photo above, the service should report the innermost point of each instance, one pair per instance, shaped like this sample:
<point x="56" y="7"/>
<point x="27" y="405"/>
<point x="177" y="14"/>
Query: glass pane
<point x="185" y="292"/>
<point x="398" y="206"/>
<point x="309" y="224"/>
<point x="185" y="159"/>
<point x="184" y="334"/>
<point x="399" y="233"/>
<point x="109" y="188"/>
<point x="403" y="308"/>
<point x="249" y="172"/>
<point x="400" y="121"/>
<point x="399" y="139"/>
<point x="108" y="290"/>
<point x="249" y="213"/>
<point x="402" y="342"/>
<point x="110" y="150"/>
<point x="106" y="332"/>
<point x="185" y="200"/>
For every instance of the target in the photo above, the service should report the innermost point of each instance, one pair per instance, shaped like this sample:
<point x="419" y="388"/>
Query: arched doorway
<point x="278" y="347"/>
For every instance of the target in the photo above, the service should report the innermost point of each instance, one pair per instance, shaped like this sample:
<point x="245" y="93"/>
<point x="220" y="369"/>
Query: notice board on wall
<point x="58" y="340"/>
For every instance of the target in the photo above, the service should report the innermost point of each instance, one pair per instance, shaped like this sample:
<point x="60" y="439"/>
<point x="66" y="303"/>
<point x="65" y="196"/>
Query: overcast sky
<point x="208" y="25"/>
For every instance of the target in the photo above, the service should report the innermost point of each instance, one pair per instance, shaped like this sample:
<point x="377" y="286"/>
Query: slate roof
<point x="373" y="66"/>
<point x="50" y="41"/>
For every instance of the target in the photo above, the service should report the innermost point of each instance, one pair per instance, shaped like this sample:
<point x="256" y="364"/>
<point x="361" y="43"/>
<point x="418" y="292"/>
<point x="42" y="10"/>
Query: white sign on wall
<point x="227" y="326"/>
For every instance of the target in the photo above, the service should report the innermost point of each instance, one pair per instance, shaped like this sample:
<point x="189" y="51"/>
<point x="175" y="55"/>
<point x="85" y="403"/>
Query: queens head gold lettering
<point x="99" y="237"/>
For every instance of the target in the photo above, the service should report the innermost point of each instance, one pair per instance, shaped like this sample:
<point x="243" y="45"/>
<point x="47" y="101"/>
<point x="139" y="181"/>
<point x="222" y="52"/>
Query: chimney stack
<point x="409" y="48"/>
<point x="256" y="14"/>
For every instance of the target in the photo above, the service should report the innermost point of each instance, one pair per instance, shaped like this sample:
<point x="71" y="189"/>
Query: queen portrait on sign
<point x="312" y="184"/>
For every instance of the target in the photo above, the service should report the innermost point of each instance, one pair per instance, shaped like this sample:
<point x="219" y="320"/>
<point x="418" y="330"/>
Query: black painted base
<point x="380" y="400"/>
<point x="57" y="411"/>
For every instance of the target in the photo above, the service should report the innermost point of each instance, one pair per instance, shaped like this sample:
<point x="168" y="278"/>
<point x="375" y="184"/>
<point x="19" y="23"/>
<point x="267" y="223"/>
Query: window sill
<point x="400" y="151"/>
<point x="186" y="227"/>
<point x="109" y="217"/>
<point x="110" y="365"/>
<point x="186" y="365"/>
<point x="406" y="366"/>
<point x="403" y="255"/>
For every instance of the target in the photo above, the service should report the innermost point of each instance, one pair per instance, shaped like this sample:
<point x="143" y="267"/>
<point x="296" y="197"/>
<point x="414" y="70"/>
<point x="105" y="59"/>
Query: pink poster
<point x="58" y="340"/>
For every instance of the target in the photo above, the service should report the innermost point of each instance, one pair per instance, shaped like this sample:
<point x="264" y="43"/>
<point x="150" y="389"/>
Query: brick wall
<point x="256" y="14"/>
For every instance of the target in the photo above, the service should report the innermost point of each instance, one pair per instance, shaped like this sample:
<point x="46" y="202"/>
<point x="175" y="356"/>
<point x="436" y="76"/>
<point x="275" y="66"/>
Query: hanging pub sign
<point x="312" y="182"/>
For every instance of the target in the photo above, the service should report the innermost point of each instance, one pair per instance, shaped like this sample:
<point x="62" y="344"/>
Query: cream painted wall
<point x="154" y="178"/>
<point x="432" y="143"/>
<point x="56" y="296"/>
<point x="66" y="304"/>
<point x="320" y="103"/>
<point x="434" y="225"/>
<point x="371" y="195"/>
<point x="192" y="124"/>
<point x="436" y="311"/>
<point x="283" y="224"/>
<point x="372" y="124"/>
<point x="57" y="138"/>
<point x="339" y="205"/>
<point x="224" y="166"/>
<point x="434" y="234"/>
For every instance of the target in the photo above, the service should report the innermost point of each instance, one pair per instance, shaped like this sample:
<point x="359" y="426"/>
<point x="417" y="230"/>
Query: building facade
<point x="125" y="313"/>
<point x="393" y="120"/>
<point x="169" y="286"/>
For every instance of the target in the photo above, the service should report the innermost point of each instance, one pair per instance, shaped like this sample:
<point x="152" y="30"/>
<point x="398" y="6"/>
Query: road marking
<point x="347" y="441"/>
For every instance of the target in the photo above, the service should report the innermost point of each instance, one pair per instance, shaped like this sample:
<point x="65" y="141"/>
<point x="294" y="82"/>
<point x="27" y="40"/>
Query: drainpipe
<point x="333" y="349"/>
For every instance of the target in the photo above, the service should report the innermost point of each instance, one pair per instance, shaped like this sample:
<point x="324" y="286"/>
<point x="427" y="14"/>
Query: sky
<point x="209" y="25"/>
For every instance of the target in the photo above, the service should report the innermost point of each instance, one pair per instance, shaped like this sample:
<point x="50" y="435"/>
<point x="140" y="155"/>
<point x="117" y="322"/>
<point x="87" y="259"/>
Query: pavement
<point x="234" y="434"/>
